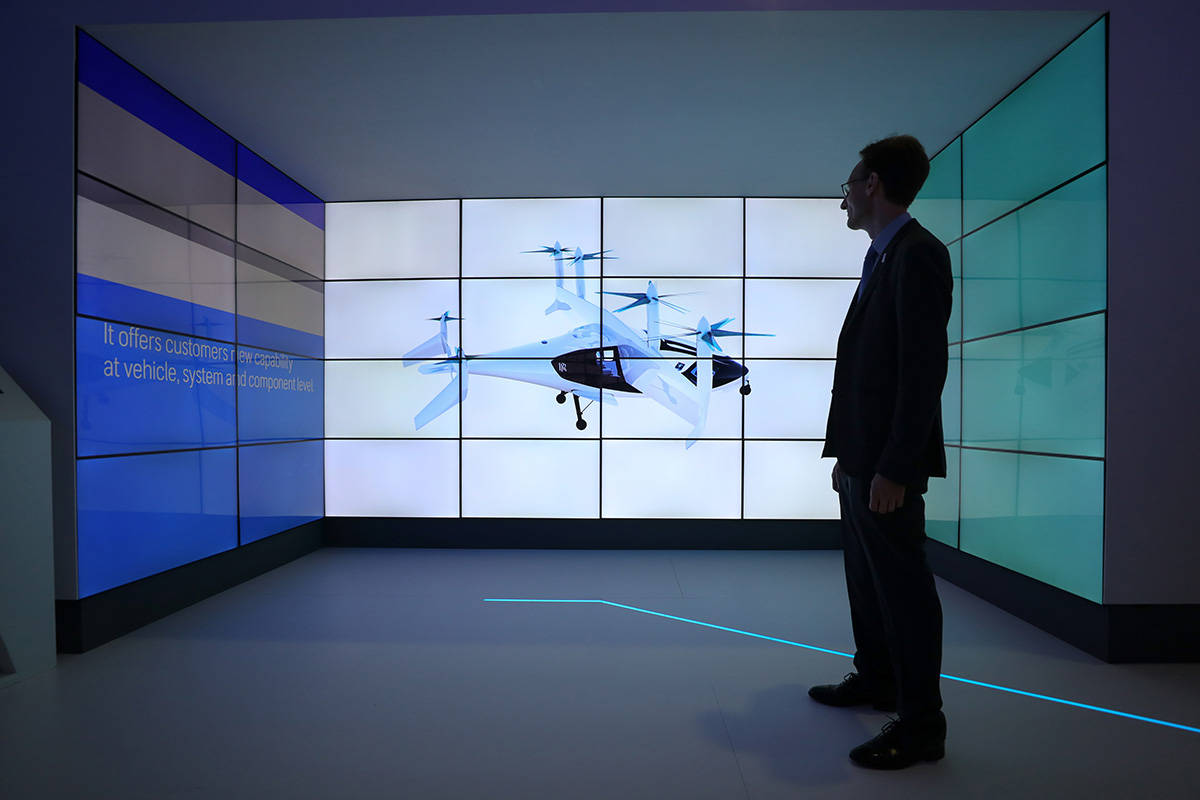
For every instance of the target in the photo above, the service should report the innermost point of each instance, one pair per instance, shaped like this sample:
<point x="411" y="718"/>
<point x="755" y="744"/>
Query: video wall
<point x="584" y="357"/>
<point x="199" y="334"/>
<point x="1021" y="197"/>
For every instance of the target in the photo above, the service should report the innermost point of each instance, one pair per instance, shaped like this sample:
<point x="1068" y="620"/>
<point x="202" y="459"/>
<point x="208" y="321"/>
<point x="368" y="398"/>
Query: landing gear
<point x="744" y="389"/>
<point x="560" y="398"/>
<point x="580" y="422"/>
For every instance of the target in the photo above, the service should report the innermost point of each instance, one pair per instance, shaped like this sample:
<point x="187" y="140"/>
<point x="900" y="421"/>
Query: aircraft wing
<point x="669" y="389"/>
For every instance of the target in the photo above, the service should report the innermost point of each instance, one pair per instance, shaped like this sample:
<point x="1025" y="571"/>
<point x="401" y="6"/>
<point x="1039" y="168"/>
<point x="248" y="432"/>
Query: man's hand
<point x="886" y="495"/>
<point x="837" y="477"/>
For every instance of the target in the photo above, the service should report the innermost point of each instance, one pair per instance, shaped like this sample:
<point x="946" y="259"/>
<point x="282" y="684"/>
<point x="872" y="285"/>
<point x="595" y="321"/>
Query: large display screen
<point x="199" y="334"/>
<point x="583" y="357"/>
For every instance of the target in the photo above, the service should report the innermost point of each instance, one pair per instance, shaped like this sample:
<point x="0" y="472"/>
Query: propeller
<point x="710" y="333"/>
<point x="556" y="250"/>
<point x="581" y="256"/>
<point x="454" y="392"/>
<point x="642" y="298"/>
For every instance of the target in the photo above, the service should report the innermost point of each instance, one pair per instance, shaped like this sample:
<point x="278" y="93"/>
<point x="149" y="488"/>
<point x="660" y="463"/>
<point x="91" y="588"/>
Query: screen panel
<point x="135" y="135"/>
<point x="1038" y="390"/>
<point x="386" y="319"/>
<point x="1045" y="262"/>
<point x="1050" y="129"/>
<point x="664" y="409"/>
<point x="391" y="478"/>
<point x="664" y="479"/>
<point x="381" y="399"/>
<point x="789" y="480"/>
<point x="280" y="396"/>
<point x="135" y="261"/>
<point x="938" y="206"/>
<point x="139" y="515"/>
<point x="280" y="486"/>
<point x="789" y="399"/>
<point x="801" y="236"/>
<point x="279" y="307"/>
<point x="941" y="502"/>
<point x="686" y="236"/>
<point x="531" y="478"/>
<point x="498" y="233"/>
<point x="508" y="318"/>
<point x="277" y="216"/>
<point x="1042" y="516"/>
<point x="804" y="316"/>
<point x="399" y="239"/>
<point x="141" y="390"/>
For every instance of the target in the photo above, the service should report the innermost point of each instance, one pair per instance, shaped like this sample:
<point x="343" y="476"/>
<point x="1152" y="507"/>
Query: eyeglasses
<point x="846" y="185"/>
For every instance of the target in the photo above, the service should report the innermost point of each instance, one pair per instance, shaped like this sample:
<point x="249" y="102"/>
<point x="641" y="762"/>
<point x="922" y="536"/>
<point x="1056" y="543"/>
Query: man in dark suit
<point x="885" y="430"/>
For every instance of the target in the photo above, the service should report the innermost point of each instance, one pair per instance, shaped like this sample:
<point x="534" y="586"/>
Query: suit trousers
<point x="894" y="606"/>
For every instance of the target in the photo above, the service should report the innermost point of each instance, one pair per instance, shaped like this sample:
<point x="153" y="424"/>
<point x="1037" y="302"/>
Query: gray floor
<point x="382" y="673"/>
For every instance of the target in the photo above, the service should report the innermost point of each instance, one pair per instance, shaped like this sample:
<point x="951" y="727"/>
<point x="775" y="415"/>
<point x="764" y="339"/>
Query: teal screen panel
<point x="952" y="397"/>
<point x="941" y="503"/>
<point x="954" y="326"/>
<point x="1042" y="516"/>
<point x="1050" y="129"/>
<point x="1047" y="261"/>
<point x="938" y="207"/>
<point x="1038" y="390"/>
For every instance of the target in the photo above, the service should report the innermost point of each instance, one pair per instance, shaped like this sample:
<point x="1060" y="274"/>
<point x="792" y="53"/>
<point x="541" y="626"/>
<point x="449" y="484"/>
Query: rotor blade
<point x="454" y="393"/>
<point x="704" y="379"/>
<point x="430" y="348"/>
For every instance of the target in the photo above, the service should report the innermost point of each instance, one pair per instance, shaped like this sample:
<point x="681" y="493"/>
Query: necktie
<point x="868" y="268"/>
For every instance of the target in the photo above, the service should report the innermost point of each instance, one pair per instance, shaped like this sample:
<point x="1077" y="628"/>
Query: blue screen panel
<point x="279" y="396"/>
<point x="139" y="515"/>
<point x="107" y="73"/>
<point x="100" y="298"/>
<point x="280" y="486"/>
<point x="144" y="390"/>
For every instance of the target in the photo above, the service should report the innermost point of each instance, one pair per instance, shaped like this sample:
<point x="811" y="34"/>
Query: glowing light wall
<point x="199" y="334"/>
<point x="779" y="266"/>
<point x="1022" y="199"/>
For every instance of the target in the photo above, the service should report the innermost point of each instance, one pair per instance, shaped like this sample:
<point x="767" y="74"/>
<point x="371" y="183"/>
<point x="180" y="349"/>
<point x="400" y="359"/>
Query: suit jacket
<point x="885" y="415"/>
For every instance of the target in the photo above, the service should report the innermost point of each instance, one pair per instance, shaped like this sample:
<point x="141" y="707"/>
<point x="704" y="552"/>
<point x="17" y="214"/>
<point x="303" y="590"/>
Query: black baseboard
<point x="92" y="621"/>
<point x="596" y="534"/>
<point x="1113" y="633"/>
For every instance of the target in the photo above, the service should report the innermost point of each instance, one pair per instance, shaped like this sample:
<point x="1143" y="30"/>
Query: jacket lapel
<point x="857" y="304"/>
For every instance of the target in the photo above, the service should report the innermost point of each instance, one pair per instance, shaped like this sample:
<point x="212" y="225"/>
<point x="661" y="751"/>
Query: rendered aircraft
<point x="582" y="364"/>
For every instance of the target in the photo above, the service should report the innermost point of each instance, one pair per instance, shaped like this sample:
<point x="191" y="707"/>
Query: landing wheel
<point x="560" y="398"/>
<point x="581" y="424"/>
<point x="745" y="389"/>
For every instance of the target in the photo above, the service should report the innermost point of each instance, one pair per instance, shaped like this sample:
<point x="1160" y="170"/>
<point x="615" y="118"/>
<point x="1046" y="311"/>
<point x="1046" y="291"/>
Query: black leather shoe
<point x="901" y="744"/>
<point x="854" y="690"/>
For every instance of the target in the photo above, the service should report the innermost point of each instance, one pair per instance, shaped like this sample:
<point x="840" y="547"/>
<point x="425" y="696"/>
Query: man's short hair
<point x="901" y="163"/>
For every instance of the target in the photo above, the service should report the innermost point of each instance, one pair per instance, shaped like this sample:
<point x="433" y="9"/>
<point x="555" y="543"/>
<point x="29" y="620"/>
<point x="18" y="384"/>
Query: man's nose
<point x="843" y="206"/>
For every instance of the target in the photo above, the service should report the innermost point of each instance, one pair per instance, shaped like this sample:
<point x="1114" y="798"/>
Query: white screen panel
<point x="661" y="479"/>
<point x="373" y="478"/>
<point x="401" y="239"/>
<point x="641" y="415"/>
<point x="502" y="407"/>
<point x="495" y="232"/>
<point x="374" y="399"/>
<point x="805" y="316"/>
<point x="517" y="478"/>
<point x="714" y="299"/>
<point x="788" y="399"/>
<point x="386" y="319"/>
<point x="673" y="236"/>
<point x="789" y="480"/>
<point x="502" y="314"/>
<point x="806" y="237"/>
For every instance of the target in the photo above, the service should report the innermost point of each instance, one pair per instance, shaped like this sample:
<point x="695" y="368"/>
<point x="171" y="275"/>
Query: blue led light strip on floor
<point x="998" y="688"/>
